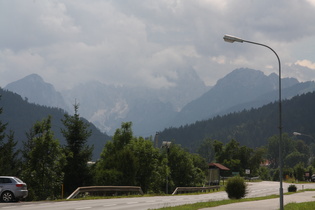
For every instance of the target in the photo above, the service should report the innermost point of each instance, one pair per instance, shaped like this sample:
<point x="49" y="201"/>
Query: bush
<point x="236" y="188"/>
<point x="292" y="188"/>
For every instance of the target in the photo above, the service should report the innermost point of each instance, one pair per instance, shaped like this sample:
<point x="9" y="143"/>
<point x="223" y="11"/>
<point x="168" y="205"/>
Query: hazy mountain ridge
<point x="151" y="110"/>
<point x="35" y="90"/>
<point x="242" y="86"/>
<point x="107" y="106"/>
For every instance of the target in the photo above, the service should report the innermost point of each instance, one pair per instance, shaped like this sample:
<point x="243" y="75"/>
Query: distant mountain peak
<point x="36" y="90"/>
<point x="241" y="86"/>
<point x="30" y="79"/>
<point x="34" y="77"/>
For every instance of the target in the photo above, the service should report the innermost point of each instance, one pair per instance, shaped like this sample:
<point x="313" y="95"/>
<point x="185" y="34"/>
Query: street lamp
<point x="231" y="39"/>
<point x="302" y="134"/>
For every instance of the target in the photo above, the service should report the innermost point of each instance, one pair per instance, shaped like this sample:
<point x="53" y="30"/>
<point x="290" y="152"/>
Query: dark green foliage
<point x="78" y="153"/>
<point x="299" y="171"/>
<point x="43" y="161"/>
<point x="117" y="157"/>
<point x="9" y="162"/>
<point x="184" y="172"/>
<point x="3" y="126"/>
<point x="236" y="188"/>
<point x="238" y="158"/>
<point x="294" y="151"/>
<point x="273" y="148"/>
<point x="206" y="150"/>
<point x="251" y="127"/>
<point x="123" y="136"/>
<point x="264" y="173"/>
<point x="292" y="188"/>
<point x="128" y="160"/>
<point x="295" y="158"/>
<point x="146" y="158"/>
<point x="21" y="115"/>
<point x="286" y="172"/>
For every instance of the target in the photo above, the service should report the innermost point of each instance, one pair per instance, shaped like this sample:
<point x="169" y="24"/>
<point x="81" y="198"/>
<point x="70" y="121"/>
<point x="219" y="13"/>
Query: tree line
<point x="251" y="127"/>
<point x="46" y="165"/>
<point x="43" y="163"/>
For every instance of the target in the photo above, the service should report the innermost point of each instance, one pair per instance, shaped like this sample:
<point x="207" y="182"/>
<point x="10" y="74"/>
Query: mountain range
<point x="152" y="110"/>
<point x="20" y="116"/>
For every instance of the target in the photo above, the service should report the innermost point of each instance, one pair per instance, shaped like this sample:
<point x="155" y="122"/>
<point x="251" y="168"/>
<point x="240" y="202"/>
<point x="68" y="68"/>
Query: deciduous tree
<point x="43" y="161"/>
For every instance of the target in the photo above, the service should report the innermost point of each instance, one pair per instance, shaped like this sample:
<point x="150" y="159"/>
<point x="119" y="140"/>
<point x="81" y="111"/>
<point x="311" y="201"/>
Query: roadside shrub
<point x="292" y="188"/>
<point x="299" y="171"/>
<point x="236" y="188"/>
<point x="264" y="173"/>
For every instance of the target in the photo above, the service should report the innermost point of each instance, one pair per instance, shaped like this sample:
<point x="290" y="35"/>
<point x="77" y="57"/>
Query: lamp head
<point x="297" y="134"/>
<point x="231" y="39"/>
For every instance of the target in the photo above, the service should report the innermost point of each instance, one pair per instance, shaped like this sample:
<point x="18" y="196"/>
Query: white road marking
<point x="110" y="205"/>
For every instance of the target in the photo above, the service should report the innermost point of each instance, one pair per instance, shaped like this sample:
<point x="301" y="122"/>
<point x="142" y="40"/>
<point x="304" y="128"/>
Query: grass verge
<point x="291" y="206"/>
<point x="201" y="205"/>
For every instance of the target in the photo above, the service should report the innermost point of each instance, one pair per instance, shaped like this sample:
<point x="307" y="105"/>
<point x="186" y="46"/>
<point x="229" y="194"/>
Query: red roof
<point x="220" y="166"/>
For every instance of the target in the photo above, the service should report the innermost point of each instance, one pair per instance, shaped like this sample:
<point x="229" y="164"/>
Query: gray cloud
<point x="142" y="42"/>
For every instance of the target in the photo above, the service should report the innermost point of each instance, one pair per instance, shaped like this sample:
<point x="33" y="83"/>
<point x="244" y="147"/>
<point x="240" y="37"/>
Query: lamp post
<point x="231" y="39"/>
<point x="167" y="145"/>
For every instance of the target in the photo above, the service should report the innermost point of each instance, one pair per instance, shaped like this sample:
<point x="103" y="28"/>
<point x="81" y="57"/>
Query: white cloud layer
<point x="144" y="42"/>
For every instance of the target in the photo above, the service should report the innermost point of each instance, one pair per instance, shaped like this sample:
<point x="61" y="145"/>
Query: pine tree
<point x="9" y="162"/>
<point x="8" y="155"/>
<point x="78" y="153"/>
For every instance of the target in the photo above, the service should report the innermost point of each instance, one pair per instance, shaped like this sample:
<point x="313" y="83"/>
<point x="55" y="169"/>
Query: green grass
<point x="201" y="205"/>
<point x="195" y="206"/>
<point x="300" y="206"/>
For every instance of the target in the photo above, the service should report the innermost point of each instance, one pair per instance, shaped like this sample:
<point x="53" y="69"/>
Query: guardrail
<point x="252" y="178"/>
<point x="105" y="189"/>
<point x="196" y="189"/>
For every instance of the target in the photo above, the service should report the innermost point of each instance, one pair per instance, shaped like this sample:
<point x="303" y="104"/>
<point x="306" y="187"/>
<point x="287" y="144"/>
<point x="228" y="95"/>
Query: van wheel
<point x="7" y="196"/>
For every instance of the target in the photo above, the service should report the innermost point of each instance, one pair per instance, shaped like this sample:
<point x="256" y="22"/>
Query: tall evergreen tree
<point x="78" y="153"/>
<point x="8" y="155"/>
<point x="9" y="162"/>
<point x="43" y="162"/>
<point x="2" y="128"/>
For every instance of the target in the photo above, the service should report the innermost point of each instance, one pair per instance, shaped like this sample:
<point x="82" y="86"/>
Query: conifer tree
<point x="78" y="153"/>
<point x="8" y="155"/>
<point x="9" y="162"/>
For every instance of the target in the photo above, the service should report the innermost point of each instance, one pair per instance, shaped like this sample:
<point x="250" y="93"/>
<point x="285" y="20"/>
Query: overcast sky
<point x="143" y="42"/>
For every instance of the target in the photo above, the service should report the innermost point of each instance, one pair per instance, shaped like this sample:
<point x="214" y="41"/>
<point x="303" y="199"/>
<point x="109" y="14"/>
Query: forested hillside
<point x="249" y="127"/>
<point x="21" y="115"/>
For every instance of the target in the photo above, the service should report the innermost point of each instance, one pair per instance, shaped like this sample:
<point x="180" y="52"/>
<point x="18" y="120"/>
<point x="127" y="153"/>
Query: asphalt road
<point x="256" y="189"/>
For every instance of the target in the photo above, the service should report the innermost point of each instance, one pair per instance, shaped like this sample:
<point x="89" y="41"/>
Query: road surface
<point x="256" y="189"/>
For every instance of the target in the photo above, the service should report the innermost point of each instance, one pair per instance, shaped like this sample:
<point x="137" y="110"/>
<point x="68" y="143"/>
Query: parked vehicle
<point x="313" y="178"/>
<point x="12" y="189"/>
